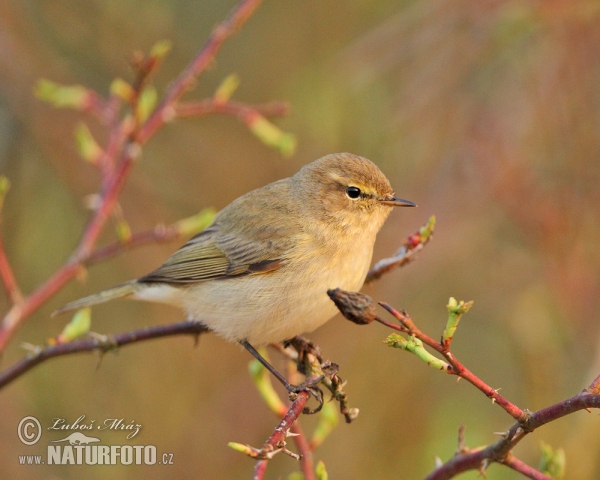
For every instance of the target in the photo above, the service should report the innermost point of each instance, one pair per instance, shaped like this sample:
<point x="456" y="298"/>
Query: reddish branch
<point x="8" y="278"/>
<point x="231" y="107"/>
<point x="159" y="234"/>
<point x="277" y="440"/>
<point x="102" y="343"/>
<point x="407" y="326"/>
<point x="500" y="450"/>
<point x="359" y="308"/>
<point x="165" y="111"/>
<point x="123" y="148"/>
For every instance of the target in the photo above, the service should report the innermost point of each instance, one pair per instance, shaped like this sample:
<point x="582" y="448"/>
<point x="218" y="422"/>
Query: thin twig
<point x="166" y="110"/>
<point x="411" y="246"/>
<point x="277" y="440"/>
<point x="526" y="470"/>
<point x="101" y="343"/>
<point x="499" y="450"/>
<point x="159" y="234"/>
<point x="407" y="326"/>
<point x="305" y="451"/>
<point x="231" y="107"/>
<point x="8" y="278"/>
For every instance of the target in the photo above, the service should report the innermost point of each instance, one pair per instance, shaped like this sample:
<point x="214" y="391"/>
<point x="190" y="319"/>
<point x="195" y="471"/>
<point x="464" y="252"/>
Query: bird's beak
<point x="395" y="202"/>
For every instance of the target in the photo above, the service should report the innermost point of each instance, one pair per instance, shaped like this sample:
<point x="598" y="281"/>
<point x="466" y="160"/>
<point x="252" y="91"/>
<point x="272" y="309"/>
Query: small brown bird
<point x="260" y="272"/>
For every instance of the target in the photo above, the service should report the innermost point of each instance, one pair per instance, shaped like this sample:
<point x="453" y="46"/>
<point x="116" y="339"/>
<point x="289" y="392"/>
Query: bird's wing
<point x="210" y="255"/>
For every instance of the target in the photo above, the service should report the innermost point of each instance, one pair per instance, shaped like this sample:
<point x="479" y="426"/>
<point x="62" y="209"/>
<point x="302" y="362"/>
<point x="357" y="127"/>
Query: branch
<point x="519" y="466"/>
<point x="124" y="146"/>
<point x="231" y="107"/>
<point x="405" y="254"/>
<point x="166" y="110"/>
<point x="457" y="368"/>
<point x="359" y="308"/>
<point x="8" y="278"/>
<point x="500" y="450"/>
<point x="277" y="441"/>
<point x="102" y="343"/>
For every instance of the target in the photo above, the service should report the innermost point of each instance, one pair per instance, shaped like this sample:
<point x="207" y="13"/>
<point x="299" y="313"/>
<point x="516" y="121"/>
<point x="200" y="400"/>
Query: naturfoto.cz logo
<point x="78" y="448"/>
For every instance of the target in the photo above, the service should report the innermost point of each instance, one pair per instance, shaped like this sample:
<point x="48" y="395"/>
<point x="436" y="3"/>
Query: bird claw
<point x="312" y="388"/>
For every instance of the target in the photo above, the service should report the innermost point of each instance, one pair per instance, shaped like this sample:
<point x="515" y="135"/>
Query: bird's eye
<point x="353" y="192"/>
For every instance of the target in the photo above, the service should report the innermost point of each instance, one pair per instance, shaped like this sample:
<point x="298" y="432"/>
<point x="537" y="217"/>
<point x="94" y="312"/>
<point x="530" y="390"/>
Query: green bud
<point x="87" y="147"/>
<point x="122" y="89"/>
<point x="240" y="447"/>
<point x="320" y="471"/>
<point x="427" y="230"/>
<point x="455" y="312"/>
<point x="552" y="462"/>
<point x="328" y="420"/>
<point x="271" y="135"/>
<point x="123" y="231"/>
<point x="161" y="49"/>
<point x="79" y="325"/>
<point x="4" y="187"/>
<point x="262" y="381"/>
<point x="146" y="103"/>
<point x="62" y="96"/>
<point x="227" y="88"/>
<point x="415" y="346"/>
<point x="196" y="223"/>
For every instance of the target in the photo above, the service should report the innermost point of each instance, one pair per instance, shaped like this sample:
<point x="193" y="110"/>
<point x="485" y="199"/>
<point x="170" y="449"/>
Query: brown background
<point x="484" y="113"/>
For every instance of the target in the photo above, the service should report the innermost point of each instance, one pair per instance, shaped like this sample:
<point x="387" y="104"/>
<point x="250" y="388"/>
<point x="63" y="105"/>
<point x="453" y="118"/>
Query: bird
<point x="260" y="272"/>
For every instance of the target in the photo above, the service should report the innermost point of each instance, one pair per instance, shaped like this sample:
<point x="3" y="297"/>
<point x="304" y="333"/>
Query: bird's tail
<point x="113" y="293"/>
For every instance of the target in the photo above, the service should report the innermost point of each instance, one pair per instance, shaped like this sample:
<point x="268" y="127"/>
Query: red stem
<point x="408" y="326"/>
<point x="8" y="277"/>
<point x="91" y="344"/>
<point x="304" y="449"/>
<point x="165" y="111"/>
<point x="499" y="451"/>
<point x="231" y="107"/>
<point x="278" y="437"/>
<point x="524" y="469"/>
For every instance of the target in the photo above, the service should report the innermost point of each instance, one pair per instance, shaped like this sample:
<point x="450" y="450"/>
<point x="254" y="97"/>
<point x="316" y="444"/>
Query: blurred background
<point x="486" y="114"/>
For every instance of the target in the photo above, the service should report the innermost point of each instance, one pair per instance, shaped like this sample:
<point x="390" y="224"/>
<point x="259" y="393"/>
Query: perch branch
<point x="500" y="450"/>
<point x="102" y="343"/>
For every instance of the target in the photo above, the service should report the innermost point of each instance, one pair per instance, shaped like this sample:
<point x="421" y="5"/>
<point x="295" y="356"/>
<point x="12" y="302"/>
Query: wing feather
<point x="208" y="256"/>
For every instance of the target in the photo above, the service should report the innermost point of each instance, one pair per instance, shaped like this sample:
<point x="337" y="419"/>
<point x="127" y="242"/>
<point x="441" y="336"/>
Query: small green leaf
<point x="328" y="420"/>
<point x="4" y="187"/>
<point x="320" y="471"/>
<point x="123" y="231"/>
<point x="62" y="96"/>
<point x="240" y="447"/>
<point x="415" y="346"/>
<point x="122" y="89"/>
<point x="263" y="384"/>
<point x="79" y="325"/>
<point x="161" y="49"/>
<point x="552" y="462"/>
<point x="196" y="223"/>
<point x="455" y="311"/>
<point x="227" y="88"/>
<point x="146" y="103"/>
<point x="427" y="230"/>
<point x="271" y="135"/>
<point x="86" y="145"/>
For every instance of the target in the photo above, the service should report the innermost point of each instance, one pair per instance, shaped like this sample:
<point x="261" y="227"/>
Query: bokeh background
<point x="486" y="114"/>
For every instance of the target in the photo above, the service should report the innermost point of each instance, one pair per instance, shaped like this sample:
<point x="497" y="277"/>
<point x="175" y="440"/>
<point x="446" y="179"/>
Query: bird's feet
<point x="310" y="386"/>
